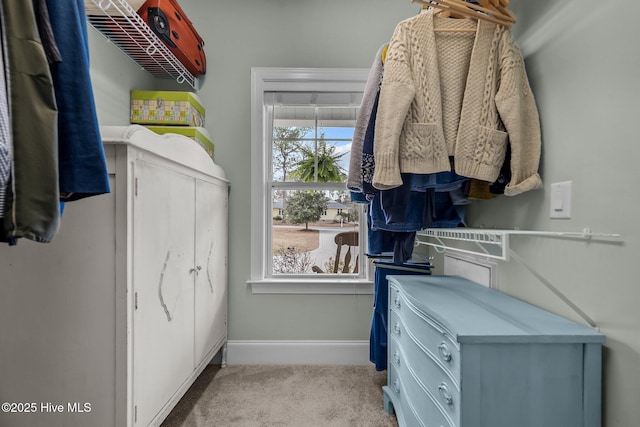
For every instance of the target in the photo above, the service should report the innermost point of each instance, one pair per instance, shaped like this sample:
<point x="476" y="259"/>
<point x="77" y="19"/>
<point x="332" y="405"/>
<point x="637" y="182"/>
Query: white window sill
<point x="302" y="286"/>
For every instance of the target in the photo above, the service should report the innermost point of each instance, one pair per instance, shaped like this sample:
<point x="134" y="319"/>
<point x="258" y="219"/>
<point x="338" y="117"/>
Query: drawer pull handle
<point x="446" y="395"/>
<point x="396" y="385"/>
<point x="397" y="328"/>
<point x="396" y="357"/>
<point x="444" y="352"/>
<point x="396" y="302"/>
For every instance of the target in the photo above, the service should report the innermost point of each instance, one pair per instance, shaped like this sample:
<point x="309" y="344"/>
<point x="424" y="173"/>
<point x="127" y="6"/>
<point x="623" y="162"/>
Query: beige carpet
<point x="299" y="396"/>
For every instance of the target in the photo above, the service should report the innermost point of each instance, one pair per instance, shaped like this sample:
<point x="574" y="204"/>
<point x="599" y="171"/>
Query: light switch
<point x="557" y="199"/>
<point x="560" y="200"/>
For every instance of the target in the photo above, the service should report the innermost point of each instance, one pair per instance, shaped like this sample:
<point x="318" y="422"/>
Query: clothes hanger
<point x="447" y="13"/>
<point x="441" y="12"/>
<point x="499" y="7"/>
<point x="487" y="10"/>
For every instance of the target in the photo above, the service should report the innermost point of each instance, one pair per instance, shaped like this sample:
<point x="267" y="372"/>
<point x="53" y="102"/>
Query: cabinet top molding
<point x="173" y="147"/>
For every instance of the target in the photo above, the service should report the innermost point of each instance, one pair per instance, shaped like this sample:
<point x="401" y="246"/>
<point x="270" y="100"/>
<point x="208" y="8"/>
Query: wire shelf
<point x="493" y="243"/>
<point x="120" y="24"/>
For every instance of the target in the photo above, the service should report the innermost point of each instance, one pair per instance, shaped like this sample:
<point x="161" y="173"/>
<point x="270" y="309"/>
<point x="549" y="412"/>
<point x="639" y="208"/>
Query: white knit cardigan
<point x="498" y="108"/>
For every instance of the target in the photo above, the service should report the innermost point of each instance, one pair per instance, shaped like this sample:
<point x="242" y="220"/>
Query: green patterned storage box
<point x="166" y="108"/>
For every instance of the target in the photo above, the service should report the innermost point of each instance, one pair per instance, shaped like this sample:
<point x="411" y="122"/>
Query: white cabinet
<point x="129" y="303"/>
<point x="211" y="242"/>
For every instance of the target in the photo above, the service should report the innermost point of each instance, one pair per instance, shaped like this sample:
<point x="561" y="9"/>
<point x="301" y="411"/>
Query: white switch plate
<point x="560" y="206"/>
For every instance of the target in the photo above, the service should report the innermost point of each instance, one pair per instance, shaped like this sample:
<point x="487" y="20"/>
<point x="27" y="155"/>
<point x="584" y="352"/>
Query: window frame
<point x="267" y="79"/>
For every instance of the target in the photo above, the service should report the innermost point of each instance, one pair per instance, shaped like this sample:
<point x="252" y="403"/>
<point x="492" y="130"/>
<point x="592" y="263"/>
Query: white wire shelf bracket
<point x="120" y="24"/>
<point x="495" y="244"/>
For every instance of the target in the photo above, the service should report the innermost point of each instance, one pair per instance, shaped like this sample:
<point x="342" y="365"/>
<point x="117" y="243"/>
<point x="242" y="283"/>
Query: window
<point x="302" y="126"/>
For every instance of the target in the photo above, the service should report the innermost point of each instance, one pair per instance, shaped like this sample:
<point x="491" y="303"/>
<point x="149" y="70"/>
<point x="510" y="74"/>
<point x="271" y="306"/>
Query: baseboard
<point x="298" y="352"/>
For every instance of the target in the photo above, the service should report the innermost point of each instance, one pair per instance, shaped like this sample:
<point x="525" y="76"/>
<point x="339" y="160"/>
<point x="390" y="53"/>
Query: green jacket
<point x="32" y="205"/>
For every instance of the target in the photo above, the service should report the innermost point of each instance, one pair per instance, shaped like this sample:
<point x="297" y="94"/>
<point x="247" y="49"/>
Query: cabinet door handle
<point x="445" y="354"/>
<point x="445" y="393"/>
<point x="396" y="385"/>
<point x="396" y="357"/>
<point x="396" y="301"/>
<point x="160" y="294"/>
<point x="397" y="328"/>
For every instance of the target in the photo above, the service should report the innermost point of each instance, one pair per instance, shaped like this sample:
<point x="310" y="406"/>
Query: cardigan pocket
<point x="491" y="147"/>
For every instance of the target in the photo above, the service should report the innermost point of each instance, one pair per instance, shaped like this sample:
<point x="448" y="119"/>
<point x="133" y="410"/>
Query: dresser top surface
<point x="473" y="313"/>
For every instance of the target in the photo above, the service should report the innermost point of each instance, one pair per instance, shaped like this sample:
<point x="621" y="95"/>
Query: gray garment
<point x="32" y="205"/>
<point x="354" y="179"/>
<point x="5" y="128"/>
<point x="46" y="32"/>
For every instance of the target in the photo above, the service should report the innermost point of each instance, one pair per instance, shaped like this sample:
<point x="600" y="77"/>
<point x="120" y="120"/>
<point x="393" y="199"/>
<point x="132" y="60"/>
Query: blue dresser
<point x="463" y="355"/>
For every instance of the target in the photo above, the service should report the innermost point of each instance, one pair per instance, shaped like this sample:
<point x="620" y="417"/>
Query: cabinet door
<point x="211" y="260"/>
<point x="163" y="280"/>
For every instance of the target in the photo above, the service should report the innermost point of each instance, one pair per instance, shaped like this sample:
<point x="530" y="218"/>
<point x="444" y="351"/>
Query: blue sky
<point x="343" y="146"/>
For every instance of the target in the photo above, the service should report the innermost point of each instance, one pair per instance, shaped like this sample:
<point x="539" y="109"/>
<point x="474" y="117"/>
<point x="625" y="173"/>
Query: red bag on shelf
<point x="168" y="21"/>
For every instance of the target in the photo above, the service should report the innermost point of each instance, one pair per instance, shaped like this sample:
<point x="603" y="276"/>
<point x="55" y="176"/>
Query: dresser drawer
<point x="395" y="299"/>
<point x="434" y="339"/>
<point x="418" y="407"/>
<point x="396" y="390"/>
<point x="406" y="356"/>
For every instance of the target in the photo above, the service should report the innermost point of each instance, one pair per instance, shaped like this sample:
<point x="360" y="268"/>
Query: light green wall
<point x="582" y="59"/>
<point x="113" y="76"/>
<point x="262" y="33"/>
